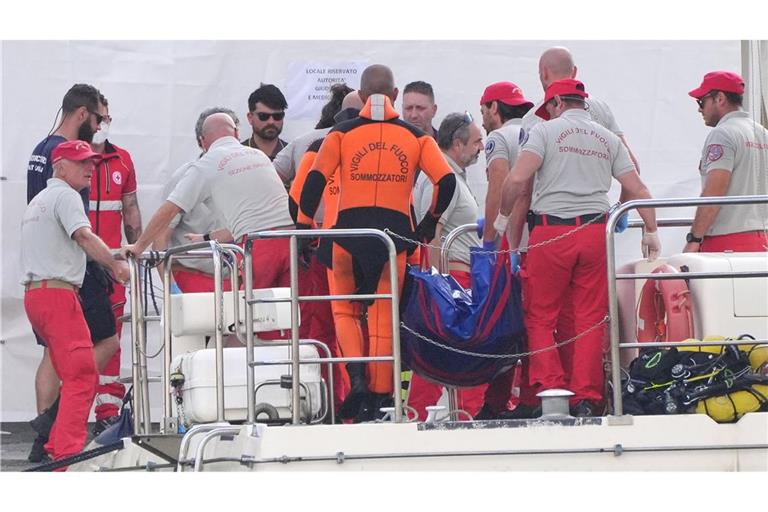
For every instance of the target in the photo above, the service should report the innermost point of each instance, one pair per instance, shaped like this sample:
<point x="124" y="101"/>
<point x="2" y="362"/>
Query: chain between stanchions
<point x="519" y="249"/>
<point x="605" y="320"/>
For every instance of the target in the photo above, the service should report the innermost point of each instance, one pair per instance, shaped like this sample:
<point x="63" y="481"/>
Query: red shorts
<point x="194" y="281"/>
<point x="748" y="241"/>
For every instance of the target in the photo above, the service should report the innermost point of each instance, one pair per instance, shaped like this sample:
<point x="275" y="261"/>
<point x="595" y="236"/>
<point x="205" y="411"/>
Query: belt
<point x="50" y="283"/>
<point x="551" y="220"/>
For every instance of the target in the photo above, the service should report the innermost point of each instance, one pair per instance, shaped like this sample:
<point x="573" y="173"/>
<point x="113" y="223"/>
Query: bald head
<point x="556" y="64"/>
<point x="217" y="126"/>
<point x="377" y="79"/>
<point x="352" y="100"/>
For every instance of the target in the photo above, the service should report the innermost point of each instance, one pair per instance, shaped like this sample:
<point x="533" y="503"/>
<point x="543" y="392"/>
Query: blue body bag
<point x="487" y="320"/>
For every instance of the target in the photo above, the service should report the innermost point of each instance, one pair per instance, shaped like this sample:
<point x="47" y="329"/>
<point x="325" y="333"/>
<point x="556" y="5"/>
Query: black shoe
<point x="381" y="400"/>
<point x="43" y="423"/>
<point x="367" y="409"/>
<point x="38" y="453"/>
<point x="358" y="394"/>
<point x="585" y="408"/>
<point x="521" y="412"/>
<point x="485" y="413"/>
<point x="102" y="425"/>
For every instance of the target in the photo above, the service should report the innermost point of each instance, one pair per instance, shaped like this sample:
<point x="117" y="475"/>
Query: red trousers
<point x="748" y="241"/>
<point x="424" y="392"/>
<point x="56" y="315"/>
<point x="194" y="281"/>
<point x="110" y="392"/>
<point x="570" y="272"/>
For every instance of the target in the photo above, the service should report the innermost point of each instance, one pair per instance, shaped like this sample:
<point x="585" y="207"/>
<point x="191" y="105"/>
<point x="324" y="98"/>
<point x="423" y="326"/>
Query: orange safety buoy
<point x="664" y="310"/>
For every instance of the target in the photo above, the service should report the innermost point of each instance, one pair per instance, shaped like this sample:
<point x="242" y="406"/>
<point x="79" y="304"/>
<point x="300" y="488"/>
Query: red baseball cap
<point x="505" y="92"/>
<point x="76" y="150"/>
<point x="719" y="81"/>
<point x="568" y="86"/>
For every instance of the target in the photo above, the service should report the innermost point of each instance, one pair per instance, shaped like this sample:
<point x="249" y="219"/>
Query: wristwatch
<point x="690" y="237"/>
<point x="207" y="237"/>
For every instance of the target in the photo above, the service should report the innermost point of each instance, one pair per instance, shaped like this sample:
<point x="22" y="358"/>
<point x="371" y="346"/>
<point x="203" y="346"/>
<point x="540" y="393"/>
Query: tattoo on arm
<point x="131" y="218"/>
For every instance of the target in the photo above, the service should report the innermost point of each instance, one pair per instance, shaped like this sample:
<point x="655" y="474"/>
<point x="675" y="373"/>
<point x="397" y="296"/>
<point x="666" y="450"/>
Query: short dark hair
<point x="81" y="95"/>
<point x="330" y="109"/>
<point x="734" y="98"/>
<point x="103" y="100"/>
<point x="421" y="88"/>
<point x="507" y="112"/>
<point x="269" y="95"/>
<point x="454" y="126"/>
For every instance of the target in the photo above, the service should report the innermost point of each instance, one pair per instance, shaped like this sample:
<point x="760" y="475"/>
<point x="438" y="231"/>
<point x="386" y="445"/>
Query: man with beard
<point x="461" y="141"/>
<point x="82" y="115"/>
<point x="266" y="110"/>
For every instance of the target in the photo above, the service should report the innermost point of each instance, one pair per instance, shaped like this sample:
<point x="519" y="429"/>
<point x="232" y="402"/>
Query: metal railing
<point x="613" y="304"/>
<point x="141" y="419"/>
<point x="295" y="299"/>
<point x="452" y="391"/>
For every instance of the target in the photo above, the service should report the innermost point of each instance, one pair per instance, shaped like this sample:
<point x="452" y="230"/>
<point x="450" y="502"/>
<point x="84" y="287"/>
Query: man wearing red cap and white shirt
<point x="734" y="162"/>
<point x="570" y="161"/>
<point x="55" y="237"/>
<point x="502" y="107"/>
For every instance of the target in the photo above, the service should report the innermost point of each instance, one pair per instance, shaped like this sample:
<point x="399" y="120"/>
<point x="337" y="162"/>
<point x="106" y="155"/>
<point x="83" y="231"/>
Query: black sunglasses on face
<point x="264" y="116"/>
<point x="700" y="101"/>
<point x="99" y="117"/>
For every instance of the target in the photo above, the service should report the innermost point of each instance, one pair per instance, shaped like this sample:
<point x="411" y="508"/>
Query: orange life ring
<point x="664" y="310"/>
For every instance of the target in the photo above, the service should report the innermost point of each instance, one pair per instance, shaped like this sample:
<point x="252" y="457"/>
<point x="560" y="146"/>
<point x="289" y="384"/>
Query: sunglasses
<point x="99" y="117"/>
<point x="264" y="116"/>
<point x="700" y="101"/>
<point x="467" y="119"/>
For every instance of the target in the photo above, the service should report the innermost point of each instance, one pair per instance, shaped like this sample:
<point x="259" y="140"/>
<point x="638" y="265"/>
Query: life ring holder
<point x="664" y="309"/>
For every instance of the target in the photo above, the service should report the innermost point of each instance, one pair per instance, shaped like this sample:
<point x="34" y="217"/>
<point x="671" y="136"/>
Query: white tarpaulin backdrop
<point x="157" y="89"/>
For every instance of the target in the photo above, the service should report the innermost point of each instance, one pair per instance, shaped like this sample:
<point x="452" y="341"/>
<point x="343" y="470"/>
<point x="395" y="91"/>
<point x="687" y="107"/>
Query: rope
<point x="605" y="320"/>
<point x="519" y="249"/>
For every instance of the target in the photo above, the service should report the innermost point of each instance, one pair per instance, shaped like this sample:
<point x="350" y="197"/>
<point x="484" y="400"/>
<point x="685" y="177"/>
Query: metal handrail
<point x="613" y="302"/>
<point x="293" y="236"/>
<point x="141" y="420"/>
<point x="452" y="391"/>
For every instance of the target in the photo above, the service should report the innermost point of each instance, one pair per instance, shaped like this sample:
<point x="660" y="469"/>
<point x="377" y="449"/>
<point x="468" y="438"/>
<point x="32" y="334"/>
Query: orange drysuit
<point x="372" y="160"/>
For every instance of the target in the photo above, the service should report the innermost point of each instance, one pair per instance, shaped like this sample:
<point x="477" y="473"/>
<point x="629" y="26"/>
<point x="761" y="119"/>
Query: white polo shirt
<point x="738" y="145"/>
<point x="237" y="182"/>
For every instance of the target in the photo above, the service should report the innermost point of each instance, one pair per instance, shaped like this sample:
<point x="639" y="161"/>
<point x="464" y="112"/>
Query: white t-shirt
<point x="579" y="159"/>
<point x="287" y="160"/>
<point x="237" y="182"/>
<point x="47" y="248"/>
<point x="739" y="145"/>
<point x="201" y="219"/>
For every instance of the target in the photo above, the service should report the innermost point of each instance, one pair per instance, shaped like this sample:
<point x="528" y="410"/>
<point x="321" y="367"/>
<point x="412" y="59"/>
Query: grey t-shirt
<point x="462" y="210"/>
<point x="579" y="159"/>
<point x="504" y="143"/>
<point x="287" y="160"/>
<point x="598" y="110"/>
<point x="738" y="145"/>
<point x="47" y="248"/>
<point x="200" y="219"/>
<point x="237" y="182"/>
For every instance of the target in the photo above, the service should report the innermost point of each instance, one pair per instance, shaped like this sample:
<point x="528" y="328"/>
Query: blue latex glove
<point x="480" y="227"/>
<point x="175" y="290"/>
<point x="514" y="262"/>
<point x="489" y="246"/>
<point x="622" y="223"/>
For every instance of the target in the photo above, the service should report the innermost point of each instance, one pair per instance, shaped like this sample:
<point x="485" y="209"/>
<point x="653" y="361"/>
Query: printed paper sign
<point x="308" y="85"/>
